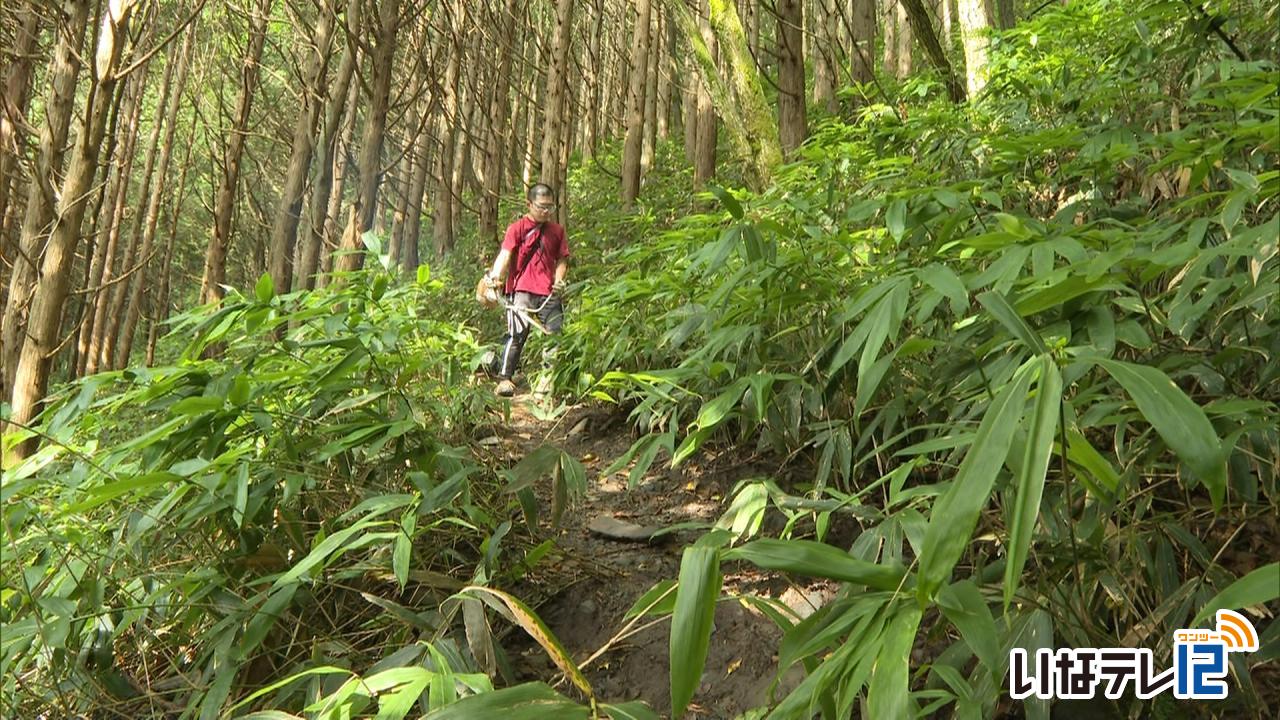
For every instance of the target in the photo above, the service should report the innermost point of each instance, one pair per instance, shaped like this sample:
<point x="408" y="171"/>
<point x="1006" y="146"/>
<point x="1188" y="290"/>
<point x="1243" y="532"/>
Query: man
<point x="536" y="252"/>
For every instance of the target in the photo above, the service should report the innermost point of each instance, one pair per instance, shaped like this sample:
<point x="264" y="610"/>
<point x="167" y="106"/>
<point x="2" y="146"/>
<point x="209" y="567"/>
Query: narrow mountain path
<point x="590" y="581"/>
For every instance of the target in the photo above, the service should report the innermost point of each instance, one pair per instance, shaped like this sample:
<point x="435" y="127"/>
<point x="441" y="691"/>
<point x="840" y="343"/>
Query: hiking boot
<point x="505" y="388"/>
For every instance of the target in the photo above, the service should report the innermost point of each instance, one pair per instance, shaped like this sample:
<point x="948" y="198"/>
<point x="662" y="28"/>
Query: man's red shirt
<point x="532" y="267"/>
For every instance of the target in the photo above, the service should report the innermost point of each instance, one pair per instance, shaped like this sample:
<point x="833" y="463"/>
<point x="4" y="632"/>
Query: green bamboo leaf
<point x="533" y="467"/>
<point x="948" y="284"/>
<point x="895" y="218"/>
<point x="815" y="559"/>
<point x="533" y="625"/>
<point x="691" y="622"/>
<point x="956" y="513"/>
<point x="634" y="710"/>
<point x="962" y="603"/>
<point x="1178" y="420"/>
<point x="1003" y="312"/>
<point x="728" y="200"/>
<point x="265" y="289"/>
<point x="1260" y="586"/>
<point x="714" y="412"/>
<point x="530" y="701"/>
<point x="889" y="694"/>
<point x="1031" y="474"/>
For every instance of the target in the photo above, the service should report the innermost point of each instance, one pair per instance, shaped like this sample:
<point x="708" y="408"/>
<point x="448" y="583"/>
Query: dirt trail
<point x="599" y="579"/>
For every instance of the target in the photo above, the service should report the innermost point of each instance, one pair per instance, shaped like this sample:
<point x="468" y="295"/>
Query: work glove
<point x="558" y="287"/>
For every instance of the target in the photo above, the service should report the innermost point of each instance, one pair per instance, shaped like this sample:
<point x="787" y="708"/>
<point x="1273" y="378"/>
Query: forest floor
<point x="584" y="589"/>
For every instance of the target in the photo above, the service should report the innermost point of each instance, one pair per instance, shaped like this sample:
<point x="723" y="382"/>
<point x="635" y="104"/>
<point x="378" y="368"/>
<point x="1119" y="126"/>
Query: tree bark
<point x="106" y="231"/>
<point x="635" y="106"/>
<point x="554" y="128"/>
<point x="1006" y="16"/>
<point x="31" y="379"/>
<point x="973" y="33"/>
<point x="133" y="309"/>
<point x="13" y="105"/>
<point x="38" y="214"/>
<point x="863" y="36"/>
<point x="323" y="185"/>
<point x="496" y="132"/>
<point x="922" y="28"/>
<point x="902" y="54"/>
<point x="705" y="126"/>
<point x="826" y="56"/>
<point x="284" y="231"/>
<point x="651" y="95"/>
<point x="792" y="125"/>
<point x="447" y="134"/>
<point x="160" y="302"/>
<point x="215" y="264"/>
<point x="361" y="216"/>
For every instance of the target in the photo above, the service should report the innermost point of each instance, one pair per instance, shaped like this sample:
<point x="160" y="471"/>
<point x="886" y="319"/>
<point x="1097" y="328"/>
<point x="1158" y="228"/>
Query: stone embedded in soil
<point x="616" y="529"/>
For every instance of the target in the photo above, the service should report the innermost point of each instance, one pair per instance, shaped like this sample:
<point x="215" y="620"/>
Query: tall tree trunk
<point x="689" y="93"/>
<point x="160" y="302"/>
<point x="13" y="105"/>
<point x="497" y="131"/>
<point x="553" y="122"/>
<point x="323" y="186"/>
<point x="826" y="55"/>
<point x="945" y="16"/>
<point x="594" y="66"/>
<point x="105" y="236"/>
<point x="635" y="106"/>
<point x="447" y="134"/>
<point x="667" y="93"/>
<point x="31" y="380"/>
<point x="651" y="96"/>
<point x="375" y="124"/>
<point x="792" y="126"/>
<point x="973" y="32"/>
<point x="706" y="132"/>
<point x="133" y="309"/>
<point x="863" y="36"/>
<point x="284" y="231"/>
<point x="215" y="263"/>
<point x="409" y="252"/>
<point x="746" y="114"/>
<point x="922" y="28"/>
<point x="902" y="54"/>
<point x="38" y="214"/>
<point x="1006" y="16"/>
<point x="341" y="171"/>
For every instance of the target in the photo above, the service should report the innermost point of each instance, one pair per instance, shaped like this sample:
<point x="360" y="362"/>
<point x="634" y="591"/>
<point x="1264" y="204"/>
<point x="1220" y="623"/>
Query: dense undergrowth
<point x="1024" y="352"/>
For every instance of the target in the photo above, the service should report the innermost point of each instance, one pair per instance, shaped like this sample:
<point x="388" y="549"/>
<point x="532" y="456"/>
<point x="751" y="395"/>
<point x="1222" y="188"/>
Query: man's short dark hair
<point x="540" y="190"/>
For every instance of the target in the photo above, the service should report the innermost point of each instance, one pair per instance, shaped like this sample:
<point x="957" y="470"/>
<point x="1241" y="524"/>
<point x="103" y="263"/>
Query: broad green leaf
<point x="534" y="467"/>
<point x="948" y="284"/>
<point x="715" y="411"/>
<point x="1003" y="312"/>
<point x="658" y="600"/>
<point x="955" y="514"/>
<point x="530" y="701"/>
<point x="1031" y="474"/>
<point x="1081" y="452"/>
<point x="1179" y="421"/>
<point x="895" y="218"/>
<point x="815" y="559"/>
<point x="962" y="603"/>
<point x="889" y="694"/>
<point x="265" y="289"/>
<point x="691" y="622"/>
<point x="728" y="200"/>
<point x="1260" y="586"/>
